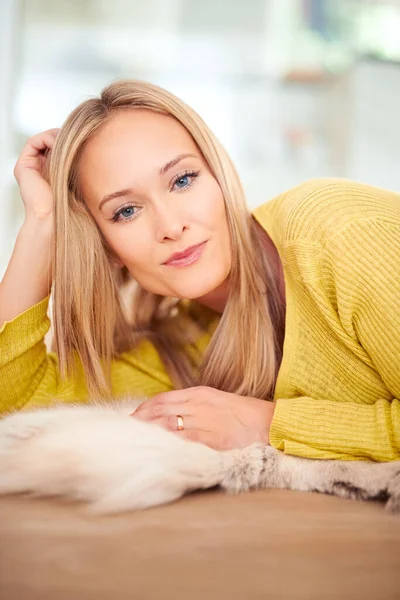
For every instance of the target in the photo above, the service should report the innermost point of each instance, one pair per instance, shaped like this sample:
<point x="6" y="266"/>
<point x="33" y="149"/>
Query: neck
<point x="216" y="299"/>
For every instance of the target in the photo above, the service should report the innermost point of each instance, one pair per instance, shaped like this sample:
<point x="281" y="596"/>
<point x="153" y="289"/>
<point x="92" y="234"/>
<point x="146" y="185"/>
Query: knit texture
<point x="338" y="387"/>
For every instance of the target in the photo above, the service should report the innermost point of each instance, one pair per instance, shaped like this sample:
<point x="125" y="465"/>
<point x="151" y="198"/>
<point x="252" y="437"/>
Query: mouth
<point x="187" y="257"/>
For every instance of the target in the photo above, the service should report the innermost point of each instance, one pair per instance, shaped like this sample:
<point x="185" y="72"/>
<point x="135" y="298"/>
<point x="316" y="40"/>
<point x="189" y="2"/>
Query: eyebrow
<point x="162" y="172"/>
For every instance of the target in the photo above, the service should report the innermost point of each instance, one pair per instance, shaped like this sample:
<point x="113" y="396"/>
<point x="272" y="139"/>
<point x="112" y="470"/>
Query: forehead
<point x="140" y="130"/>
<point x="131" y="146"/>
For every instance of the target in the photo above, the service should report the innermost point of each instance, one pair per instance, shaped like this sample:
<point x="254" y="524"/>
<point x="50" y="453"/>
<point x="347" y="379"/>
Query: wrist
<point x="262" y="419"/>
<point x="34" y="227"/>
<point x="39" y="219"/>
<point x="270" y="415"/>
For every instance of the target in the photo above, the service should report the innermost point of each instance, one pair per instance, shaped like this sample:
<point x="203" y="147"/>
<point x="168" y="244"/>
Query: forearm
<point x="27" y="279"/>
<point x="318" y="428"/>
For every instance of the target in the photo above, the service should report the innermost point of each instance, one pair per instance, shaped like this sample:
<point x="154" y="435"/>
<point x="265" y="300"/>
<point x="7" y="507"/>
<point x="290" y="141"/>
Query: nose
<point x="169" y="223"/>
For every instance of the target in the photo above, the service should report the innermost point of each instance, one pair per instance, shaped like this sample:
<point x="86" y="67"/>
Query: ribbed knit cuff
<point x="24" y="331"/>
<point x="323" y="429"/>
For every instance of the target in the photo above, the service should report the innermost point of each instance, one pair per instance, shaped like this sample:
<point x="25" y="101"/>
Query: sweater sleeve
<point x="25" y="366"/>
<point x="30" y="376"/>
<point x="363" y="262"/>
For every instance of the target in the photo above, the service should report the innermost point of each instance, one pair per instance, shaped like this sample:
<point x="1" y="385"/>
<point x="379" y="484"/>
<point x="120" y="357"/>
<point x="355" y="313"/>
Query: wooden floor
<point x="265" y="544"/>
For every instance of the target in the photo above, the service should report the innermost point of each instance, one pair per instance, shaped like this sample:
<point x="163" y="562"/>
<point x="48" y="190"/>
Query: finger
<point x="177" y="396"/>
<point x="164" y="399"/>
<point x="171" y="423"/>
<point x="54" y="131"/>
<point x="160" y="411"/>
<point x="39" y="142"/>
<point x="173" y="397"/>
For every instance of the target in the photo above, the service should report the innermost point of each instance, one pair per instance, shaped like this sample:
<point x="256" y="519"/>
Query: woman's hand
<point x="29" y="173"/>
<point x="220" y="420"/>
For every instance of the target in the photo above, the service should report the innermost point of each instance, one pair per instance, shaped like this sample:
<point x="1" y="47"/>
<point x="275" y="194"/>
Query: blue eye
<point x="185" y="180"/>
<point x="127" y="212"/>
<point x="182" y="182"/>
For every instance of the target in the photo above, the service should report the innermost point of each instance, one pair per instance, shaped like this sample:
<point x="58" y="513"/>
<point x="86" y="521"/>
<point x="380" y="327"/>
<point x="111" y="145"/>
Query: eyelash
<point x="194" y="174"/>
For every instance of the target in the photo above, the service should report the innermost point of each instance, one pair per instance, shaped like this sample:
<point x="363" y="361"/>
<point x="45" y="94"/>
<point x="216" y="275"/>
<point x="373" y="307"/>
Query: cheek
<point x="214" y="217"/>
<point x="209" y="207"/>
<point x="217" y="211"/>
<point x="133" y="249"/>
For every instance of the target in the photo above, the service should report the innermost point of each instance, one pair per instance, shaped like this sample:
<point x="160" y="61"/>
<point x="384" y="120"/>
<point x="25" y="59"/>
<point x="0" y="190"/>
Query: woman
<point x="296" y="303"/>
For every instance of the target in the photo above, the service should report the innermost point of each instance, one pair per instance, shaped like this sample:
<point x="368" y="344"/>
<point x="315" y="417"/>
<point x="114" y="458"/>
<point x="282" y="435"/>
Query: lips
<point x="186" y="254"/>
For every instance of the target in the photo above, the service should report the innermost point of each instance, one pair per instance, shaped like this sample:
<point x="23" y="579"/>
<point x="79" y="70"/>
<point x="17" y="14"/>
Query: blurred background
<point x="294" y="89"/>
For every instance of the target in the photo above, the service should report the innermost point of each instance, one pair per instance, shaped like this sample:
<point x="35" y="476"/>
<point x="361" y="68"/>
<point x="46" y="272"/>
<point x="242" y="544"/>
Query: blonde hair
<point x="244" y="353"/>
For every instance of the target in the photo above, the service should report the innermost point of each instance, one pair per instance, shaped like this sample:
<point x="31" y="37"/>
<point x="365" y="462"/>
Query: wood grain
<point x="264" y="544"/>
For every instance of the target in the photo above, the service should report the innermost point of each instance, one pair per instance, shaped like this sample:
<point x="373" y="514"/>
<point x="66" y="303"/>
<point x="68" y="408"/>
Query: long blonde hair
<point x="89" y="319"/>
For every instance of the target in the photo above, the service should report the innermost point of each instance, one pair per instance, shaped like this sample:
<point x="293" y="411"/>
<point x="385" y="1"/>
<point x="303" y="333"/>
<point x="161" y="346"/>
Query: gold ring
<point x="180" y="422"/>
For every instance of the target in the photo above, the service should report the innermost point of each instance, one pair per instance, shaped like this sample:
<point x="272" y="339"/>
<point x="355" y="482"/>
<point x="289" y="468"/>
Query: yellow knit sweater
<point x="338" y="388"/>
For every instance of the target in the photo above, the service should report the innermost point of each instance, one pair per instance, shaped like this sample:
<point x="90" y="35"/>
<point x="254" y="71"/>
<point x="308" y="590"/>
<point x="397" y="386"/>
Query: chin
<point x="204" y="289"/>
<point x="194" y="293"/>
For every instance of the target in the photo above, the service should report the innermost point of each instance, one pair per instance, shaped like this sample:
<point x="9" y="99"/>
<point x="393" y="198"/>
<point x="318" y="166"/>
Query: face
<point x="151" y="201"/>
